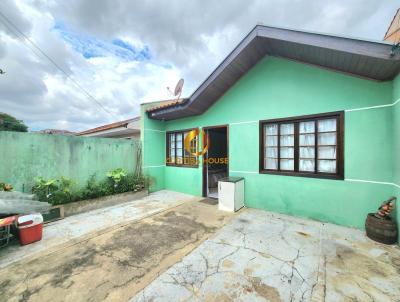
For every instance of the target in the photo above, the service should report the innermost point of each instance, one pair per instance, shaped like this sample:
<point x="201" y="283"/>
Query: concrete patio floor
<point x="74" y="229"/>
<point x="262" y="256"/>
<point x="117" y="263"/>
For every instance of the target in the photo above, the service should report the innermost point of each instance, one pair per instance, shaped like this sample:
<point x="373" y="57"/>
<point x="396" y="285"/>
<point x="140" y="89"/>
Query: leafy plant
<point x="55" y="191"/>
<point x="94" y="189"/>
<point x="43" y="188"/>
<point x="62" y="190"/>
<point x="5" y="187"/>
<point x="117" y="175"/>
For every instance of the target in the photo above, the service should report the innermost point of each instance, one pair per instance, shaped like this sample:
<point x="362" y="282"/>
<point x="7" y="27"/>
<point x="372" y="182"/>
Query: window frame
<point x="338" y="115"/>
<point x="167" y="144"/>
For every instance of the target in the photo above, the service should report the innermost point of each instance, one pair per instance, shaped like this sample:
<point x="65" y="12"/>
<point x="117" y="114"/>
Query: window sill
<point x="299" y="174"/>
<point x="182" y="166"/>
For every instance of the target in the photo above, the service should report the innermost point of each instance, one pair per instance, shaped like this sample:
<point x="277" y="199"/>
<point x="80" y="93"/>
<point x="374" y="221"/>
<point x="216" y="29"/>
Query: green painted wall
<point x="153" y="138"/>
<point x="277" y="88"/>
<point x="396" y="144"/>
<point x="26" y="156"/>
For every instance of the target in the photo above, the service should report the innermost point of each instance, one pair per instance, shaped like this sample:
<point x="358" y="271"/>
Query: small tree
<point x="10" y="123"/>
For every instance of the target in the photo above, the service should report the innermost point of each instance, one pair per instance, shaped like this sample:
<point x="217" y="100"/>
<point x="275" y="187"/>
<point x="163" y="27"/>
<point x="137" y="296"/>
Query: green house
<point x="310" y="121"/>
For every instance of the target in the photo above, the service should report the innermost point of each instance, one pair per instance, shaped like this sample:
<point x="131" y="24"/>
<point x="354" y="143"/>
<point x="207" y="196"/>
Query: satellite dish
<point x="178" y="89"/>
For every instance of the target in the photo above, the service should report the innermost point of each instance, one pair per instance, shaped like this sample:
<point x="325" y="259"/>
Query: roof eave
<point x="259" y="36"/>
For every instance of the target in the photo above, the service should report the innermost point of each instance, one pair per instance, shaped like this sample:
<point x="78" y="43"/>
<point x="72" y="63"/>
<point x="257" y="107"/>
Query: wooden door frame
<point x="204" y="170"/>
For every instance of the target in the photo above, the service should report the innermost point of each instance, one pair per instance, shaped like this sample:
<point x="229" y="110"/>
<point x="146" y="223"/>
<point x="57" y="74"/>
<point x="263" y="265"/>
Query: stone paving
<point x="263" y="256"/>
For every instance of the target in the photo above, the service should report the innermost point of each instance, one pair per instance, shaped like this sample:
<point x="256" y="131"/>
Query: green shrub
<point x="55" y="191"/>
<point x="92" y="189"/>
<point x="62" y="190"/>
<point x="117" y="175"/>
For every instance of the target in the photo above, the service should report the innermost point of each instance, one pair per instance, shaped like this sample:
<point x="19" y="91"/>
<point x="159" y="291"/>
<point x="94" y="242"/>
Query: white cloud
<point x="184" y="39"/>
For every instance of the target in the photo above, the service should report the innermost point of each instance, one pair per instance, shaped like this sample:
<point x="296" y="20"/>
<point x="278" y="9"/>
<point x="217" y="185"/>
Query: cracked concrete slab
<point x="114" y="265"/>
<point x="263" y="256"/>
<point x="72" y="229"/>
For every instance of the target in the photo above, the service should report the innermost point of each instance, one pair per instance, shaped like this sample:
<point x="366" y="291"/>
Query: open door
<point x="215" y="163"/>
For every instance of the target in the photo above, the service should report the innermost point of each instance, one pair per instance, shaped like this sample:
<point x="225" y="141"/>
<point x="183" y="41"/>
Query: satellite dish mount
<point x="178" y="89"/>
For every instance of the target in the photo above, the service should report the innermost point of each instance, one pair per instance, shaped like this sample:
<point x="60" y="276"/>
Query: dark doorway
<point x="215" y="163"/>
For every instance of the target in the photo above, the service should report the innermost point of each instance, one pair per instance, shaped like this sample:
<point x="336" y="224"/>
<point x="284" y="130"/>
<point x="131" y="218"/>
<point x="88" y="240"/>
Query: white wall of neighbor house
<point x="132" y="130"/>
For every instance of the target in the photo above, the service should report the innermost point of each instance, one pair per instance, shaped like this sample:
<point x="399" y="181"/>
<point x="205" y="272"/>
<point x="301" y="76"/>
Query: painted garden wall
<point x="26" y="156"/>
<point x="278" y="88"/>
<point x="396" y="143"/>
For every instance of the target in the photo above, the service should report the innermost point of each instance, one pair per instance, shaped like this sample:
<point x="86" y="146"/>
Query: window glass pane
<point x="307" y="165"/>
<point x="171" y="158"/>
<point x="327" y="138"/>
<point x="179" y="149"/>
<point x="327" y="125"/>
<point x="271" y="152"/>
<point x="287" y="152"/>
<point x="272" y="141"/>
<point x="287" y="164"/>
<point x="287" y="140"/>
<point x="271" y="164"/>
<point x="192" y="146"/>
<point x="307" y="140"/>
<point x="327" y="166"/>
<point x="307" y="127"/>
<point x="287" y="129"/>
<point x="307" y="152"/>
<point x="171" y="148"/>
<point x="327" y="152"/>
<point x="271" y="129"/>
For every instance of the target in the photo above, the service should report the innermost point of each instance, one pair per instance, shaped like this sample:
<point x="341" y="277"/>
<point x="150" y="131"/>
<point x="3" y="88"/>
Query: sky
<point x="111" y="56"/>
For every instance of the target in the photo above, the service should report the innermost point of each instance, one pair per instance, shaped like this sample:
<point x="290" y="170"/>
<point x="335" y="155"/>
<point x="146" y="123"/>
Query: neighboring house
<point x="393" y="32"/>
<point x="55" y="131"/>
<point x="311" y="121"/>
<point x="123" y="129"/>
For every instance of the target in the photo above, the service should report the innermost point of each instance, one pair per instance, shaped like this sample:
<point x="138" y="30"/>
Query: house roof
<point x="364" y="58"/>
<point x="109" y="126"/>
<point x="165" y="104"/>
<point x="55" y="131"/>
<point x="393" y="27"/>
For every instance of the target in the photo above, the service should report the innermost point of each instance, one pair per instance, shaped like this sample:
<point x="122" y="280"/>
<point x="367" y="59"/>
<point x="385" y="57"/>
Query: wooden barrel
<point x="381" y="230"/>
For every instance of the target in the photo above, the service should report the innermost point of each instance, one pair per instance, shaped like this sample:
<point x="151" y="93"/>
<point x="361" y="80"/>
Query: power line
<point x="26" y="38"/>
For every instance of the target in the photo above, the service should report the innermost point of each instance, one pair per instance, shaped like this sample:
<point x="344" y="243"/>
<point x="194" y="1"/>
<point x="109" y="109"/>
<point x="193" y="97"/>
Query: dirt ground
<point x="113" y="266"/>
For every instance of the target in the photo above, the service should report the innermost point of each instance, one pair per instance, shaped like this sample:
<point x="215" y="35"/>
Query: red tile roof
<point x="165" y="104"/>
<point x="109" y="126"/>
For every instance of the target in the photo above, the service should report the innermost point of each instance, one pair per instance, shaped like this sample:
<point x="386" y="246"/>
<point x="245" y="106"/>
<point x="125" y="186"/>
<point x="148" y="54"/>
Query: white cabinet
<point x="231" y="193"/>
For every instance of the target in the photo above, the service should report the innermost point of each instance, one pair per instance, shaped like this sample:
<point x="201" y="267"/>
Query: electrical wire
<point x="14" y="28"/>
